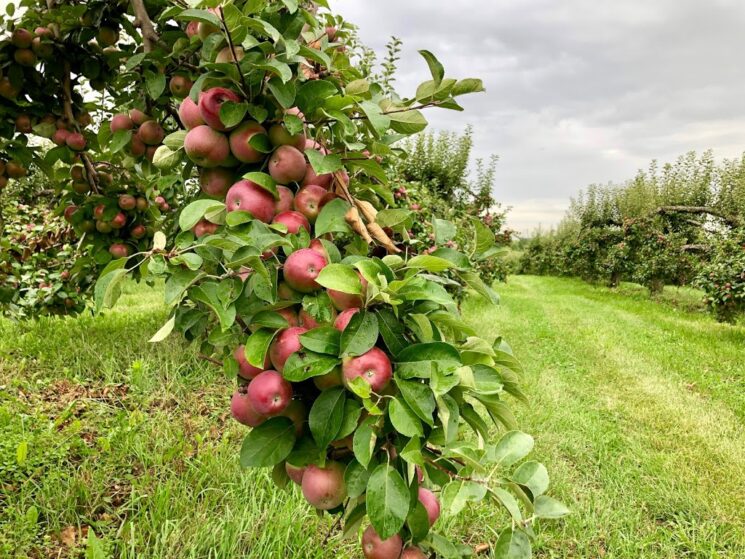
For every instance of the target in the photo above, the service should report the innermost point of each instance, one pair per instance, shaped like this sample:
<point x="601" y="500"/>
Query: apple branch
<point x="729" y="219"/>
<point x="233" y="52"/>
<point x="142" y="20"/>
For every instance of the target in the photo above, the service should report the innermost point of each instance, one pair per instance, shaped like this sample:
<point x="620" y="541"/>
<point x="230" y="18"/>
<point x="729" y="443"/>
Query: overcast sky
<point x="578" y="91"/>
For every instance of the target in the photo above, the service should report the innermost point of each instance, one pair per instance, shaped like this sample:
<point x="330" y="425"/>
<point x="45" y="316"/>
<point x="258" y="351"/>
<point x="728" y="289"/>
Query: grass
<point x="637" y="409"/>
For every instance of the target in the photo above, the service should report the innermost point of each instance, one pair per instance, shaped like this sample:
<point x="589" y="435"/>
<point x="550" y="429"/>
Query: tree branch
<point x="731" y="220"/>
<point x="142" y="20"/>
<point x="233" y="53"/>
<point x="210" y="359"/>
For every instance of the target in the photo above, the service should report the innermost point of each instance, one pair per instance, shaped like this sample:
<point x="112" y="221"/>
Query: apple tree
<point x="240" y="153"/>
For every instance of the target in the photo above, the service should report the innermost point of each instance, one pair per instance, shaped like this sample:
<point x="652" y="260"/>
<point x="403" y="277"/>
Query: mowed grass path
<point x="637" y="409"/>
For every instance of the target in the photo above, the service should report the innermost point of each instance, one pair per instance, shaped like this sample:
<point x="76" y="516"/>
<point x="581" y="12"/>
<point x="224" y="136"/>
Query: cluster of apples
<point x="11" y="170"/>
<point x="147" y="133"/>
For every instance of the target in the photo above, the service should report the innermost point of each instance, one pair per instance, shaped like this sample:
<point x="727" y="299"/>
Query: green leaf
<point x="200" y="15"/>
<point x="408" y="122"/>
<point x="393" y="217"/>
<point x="322" y="340"/>
<point x="468" y="85"/>
<point x="155" y="84"/>
<point x="418" y="521"/>
<point x="474" y="281"/>
<point x="360" y="335"/>
<point x="195" y="211"/>
<point x="457" y="494"/>
<point x="430" y="263"/>
<point x="458" y="259"/>
<point x="387" y="501"/>
<point x="419" y="397"/>
<point x="352" y="414"/>
<point x="269" y="443"/>
<point x="323" y="164"/>
<point x="483" y="237"/>
<point x="165" y="158"/>
<point x="278" y="68"/>
<point x="417" y="360"/>
<point x="512" y="544"/>
<point x="444" y="230"/>
<point x="379" y="122"/>
<point x="264" y="181"/>
<point x="326" y="416"/>
<point x="392" y="331"/>
<point x="119" y="140"/>
<point x="435" y="67"/>
<point x="532" y="475"/>
<point x="340" y="277"/>
<point x="331" y="219"/>
<point x="508" y="501"/>
<point x="449" y="416"/>
<point x="257" y="346"/>
<point x="303" y="365"/>
<point x="403" y="419"/>
<point x="512" y="447"/>
<point x="179" y="281"/>
<point x="175" y="140"/>
<point x="486" y="380"/>
<point x="164" y="331"/>
<point x="546" y="507"/>
<point x="356" y="477"/>
<point x="284" y="93"/>
<point x="232" y="113"/>
<point x="364" y="441"/>
<point x="108" y="289"/>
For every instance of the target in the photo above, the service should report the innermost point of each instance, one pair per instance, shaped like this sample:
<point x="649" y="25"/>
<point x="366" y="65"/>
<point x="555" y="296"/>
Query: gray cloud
<point x="578" y="91"/>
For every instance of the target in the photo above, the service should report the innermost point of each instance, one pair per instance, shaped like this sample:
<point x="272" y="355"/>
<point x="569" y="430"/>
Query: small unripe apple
<point x="24" y="124"/>
<point x="180" y="86"/>
<point x="107" y="36"/>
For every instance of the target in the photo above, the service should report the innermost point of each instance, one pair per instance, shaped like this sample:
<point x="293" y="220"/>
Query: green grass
<point x="637" y="408"/>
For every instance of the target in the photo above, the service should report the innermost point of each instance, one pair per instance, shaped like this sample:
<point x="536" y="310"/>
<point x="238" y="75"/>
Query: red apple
<point x="203" y="228"/>
<point x="138" y="117"/>
<point x="295" y="473"/>
<point x="342" y="321"/>
<point x="329" y="380"/>
<point x="308" y="201"/>
<point x="121" y="122"/>
<point x="243" y="411"/>
<point x="374" y="367"/>
<point x="151" y="133"/>
<point x="311" y="177"/>
<point x="287" y="164"/>
<point x="249" y="196"/>
<point x="119" y="220"/>
<point x="240" y="144"/>
<point x="293" y="220"/>
<point x="269" y="393"/>
<point x="285" y="344"/>
<point x="375" y="548"/>
<point x="413" y="553"/>
<point x="302" y="268"/>
<point x="119" y="250"/>
<point x="210" y="102"/>
<point x="189" y="115"/>
<point x="279" y="136"/>
<point x="324" y="488"/>
<point x="290" y="316"/>
<point x="430" y="502"/>
<point x="216" y="181"/>
<point x="206" y="147"/>
<point x="245" y="369"/>
<point x="343" y="301"/>
<point x="60" y="136"/>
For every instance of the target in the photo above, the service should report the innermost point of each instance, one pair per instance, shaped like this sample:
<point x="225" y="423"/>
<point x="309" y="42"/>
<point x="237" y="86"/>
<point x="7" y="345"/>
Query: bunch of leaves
<point x="723" y="277"/>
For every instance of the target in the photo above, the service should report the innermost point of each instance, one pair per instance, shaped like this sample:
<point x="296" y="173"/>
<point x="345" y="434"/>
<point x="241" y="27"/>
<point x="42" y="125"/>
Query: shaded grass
<point x="637" y="410"/>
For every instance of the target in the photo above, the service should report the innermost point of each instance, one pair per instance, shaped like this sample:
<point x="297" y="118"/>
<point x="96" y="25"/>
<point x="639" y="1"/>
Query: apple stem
<point x="232" y="51"/>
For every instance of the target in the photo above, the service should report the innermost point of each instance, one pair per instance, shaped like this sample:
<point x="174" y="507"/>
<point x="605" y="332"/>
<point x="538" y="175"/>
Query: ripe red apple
<point x="308" y="201"/>
<point x="60" y="136"/>
<point x="119" y="220"/>
<point x="180" y="86"/>
<point x="206" y="147"/>
<point x="344" y="301"/>
<point x="243" y="411"/>
<point x="302" y="268"/>
<point x="249" y="196"/>
<point x="285" y="344"/>
<point x="375" y="548"/>
<point x="137" y="147"/>
<point x="75" y="141"/>
<point x="189" y="115"/>
<point x="127" y="202"/>
<point x="210" y="102"/>
<point x="216" y="181"/>
<point x="119" y="250"/>
<point x="311" y="177"/>
<point x="430" y="502"/>
<point x="293" y="220"/>
<point x="150" y="152"/>
<point x="121" y="122"/>
<point x="151" y="133"/>
<point x="21" y="38"/>
<point x="342" y="321"/>
<point x="329" y="380"/>
<point x="69" y="210"/>
<point x="138" y="231"/>
<point x="245" y="369"/>
<point x="295" y="473"/>
<point x="413" y="553"/>
<point x="279" y="136"/>
<point x="269" y="393"/>
<point x="204" y="227"/>
<point x="317" y="245"/>
<point x="324" y="488"/>
<point x="138" y="117"/>
<point x="290" y="315"/>
<point x="373" y="366"/>
<point x="285" y="202"/>
<point x="287" y="164"/>
<point x="240" y="142"/>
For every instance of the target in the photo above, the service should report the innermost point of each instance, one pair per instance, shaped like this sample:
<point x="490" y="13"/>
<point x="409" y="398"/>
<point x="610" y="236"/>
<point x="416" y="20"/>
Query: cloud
<point x="578" y="91"/>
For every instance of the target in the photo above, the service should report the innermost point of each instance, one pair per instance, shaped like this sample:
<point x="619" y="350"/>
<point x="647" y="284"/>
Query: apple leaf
<point x="340" y="277"/>
<point x="360" y="335"/>
<point x="327" y="415"/>
<point x="387" y="501"/>
<point x="269" y="443"/>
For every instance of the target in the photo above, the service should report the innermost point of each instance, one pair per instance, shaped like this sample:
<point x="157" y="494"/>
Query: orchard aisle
<point x="639" y="409"/>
